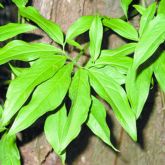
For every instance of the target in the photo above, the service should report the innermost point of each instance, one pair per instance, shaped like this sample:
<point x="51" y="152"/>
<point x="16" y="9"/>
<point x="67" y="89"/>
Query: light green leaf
<point x="111" y="72"/>
<point x="97" y="122"/>
<point x="147" y="17"/>
<point x="138" y="86"/>
<point x="153" y="36"/>
<point x="123" y="50"/>
<point x="114" y="94"/>
<point x="21" y="87"/>
<point x="1" y="6"/>
<point x="52" y="29"/>
<point x="48" y="96"/>
<point x="159" y="70"/>
<point x="20" y="3"/>
<point x="161" y="6"/>
<point x="95" y="35"/>
<point x="140" y="9"/>
<point x="74" y="43"/>
<point x="20" y="50"/>
<point x="79" y="94"/>
<point x="1" y="110"/>
<point x="121" y="62"/>
<point x="17" y="71"/>
<point x="80" y="26"/>
<point x="9" y="151"/>
<point x="12" y="29"/>
<point x="53" y="129"/>
<point x="125" y="4"/>
<point x="122" y="28"/>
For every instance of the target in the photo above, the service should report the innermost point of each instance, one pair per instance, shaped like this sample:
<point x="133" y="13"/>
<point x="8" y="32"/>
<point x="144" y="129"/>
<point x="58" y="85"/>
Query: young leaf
<point x="12" y="29"/>
<point x="114" y="94"/>
<point x="48" y="96"/>
<point x="123" y="50"/>
<point x="121" y="62"/>
<point x="125" y="4"/>
<point x="79" y="94"/>
<point x="159" y="70"/>
<point x="95" y="35"/>
<point x="80" y="26"/>
<point x="20" y="3"/>
<point x="52" y="29"/>
<point x="9" y="151"/>
<point x="138" y="86"/>
<point x="53" y="129"/>
<point x="20" y="88"/>
<point x="161" y="7"/>
<point x="74" y="43"/>
<point x="153" y="36"/>
<point x="20" y="50"/>
<point x="97" y="122"/>
<point x="122" y="28"/>
<point x="147" y="17"/>
<point x="140" y="9"/>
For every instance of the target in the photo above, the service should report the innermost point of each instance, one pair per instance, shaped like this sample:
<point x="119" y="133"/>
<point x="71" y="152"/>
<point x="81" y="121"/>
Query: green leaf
<point x="125" y="4"/>
<point x="122" y="28"/>
<point x="20" y="3"/>
<point x="48" y="96"/>
<point x="12" y="29"/>
<point x="1" y="110"/>
<point x="95" y="35"/>
<point x="123" y="50"/>
<point x="52" y="29"/>
<point x="54" y="134"/>
<point x="97" y="122"/>
<point x="114" y="94"/>
<point x="147" y="17"/>
<point x="140" y="9"/>
<point x="16" y="70"/>
<point x="20" y="88"/>
<point x="137" y="87"/>
<point x="153" y="36"/>
<point x="1" y="6"/>
<point x="20" y="50"/>
<point x="161" y="7"/>
<point x="121" y="62"/>
<point x="159" y="70"/>
<point x="9" y="151"/>
<point x="74" y="43"/>
<point x="80" y="26"/>
<point x="79" y="94"/>
<point x="112" y="72"/>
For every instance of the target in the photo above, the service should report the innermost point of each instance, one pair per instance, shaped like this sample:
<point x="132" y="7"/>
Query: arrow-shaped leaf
<point x="125" y="4"/>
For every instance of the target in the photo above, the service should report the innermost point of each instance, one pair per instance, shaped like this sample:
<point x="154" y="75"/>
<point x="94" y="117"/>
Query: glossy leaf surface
<point x="114" y="94"/>
<point x="9" y="154"/>
<point x="122" y="28"/>
<point x="95" y="35"/>
<point x="46" y="97"/>
<point x="12" y="29"/>
<point x="153" y="36"/>
<point x="20" y="88"/>
<point x="20" y="50"/>
<point x="97" y="121"/>
<point x="52" y="29"/>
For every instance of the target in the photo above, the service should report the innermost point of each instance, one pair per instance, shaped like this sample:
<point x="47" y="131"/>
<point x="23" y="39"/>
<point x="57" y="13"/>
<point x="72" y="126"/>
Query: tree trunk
<point x="87" y="149"/>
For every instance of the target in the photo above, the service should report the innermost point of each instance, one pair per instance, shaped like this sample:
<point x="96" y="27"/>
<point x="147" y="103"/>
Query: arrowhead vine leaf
<point x="47" y="78"/>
